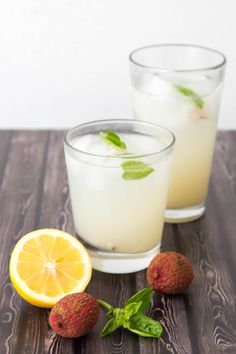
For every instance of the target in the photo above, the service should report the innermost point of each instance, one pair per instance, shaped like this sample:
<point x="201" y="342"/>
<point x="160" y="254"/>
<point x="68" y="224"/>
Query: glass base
<point x="119" y="263"/>
<point x="185" y="214"/>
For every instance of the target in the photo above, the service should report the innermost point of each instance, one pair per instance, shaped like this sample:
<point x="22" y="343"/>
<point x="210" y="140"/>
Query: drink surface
<point x="193" y="120"/>
<point x="136" y="143"/>
<point x="112" y="213"/>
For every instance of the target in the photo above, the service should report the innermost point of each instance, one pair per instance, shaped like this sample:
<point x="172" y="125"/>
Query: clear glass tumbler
<point x="179" y="87"/>
<point x="118" y="177"/>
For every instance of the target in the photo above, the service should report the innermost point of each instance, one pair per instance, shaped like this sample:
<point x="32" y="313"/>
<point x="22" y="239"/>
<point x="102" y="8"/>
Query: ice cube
<point x="154" y="84"/>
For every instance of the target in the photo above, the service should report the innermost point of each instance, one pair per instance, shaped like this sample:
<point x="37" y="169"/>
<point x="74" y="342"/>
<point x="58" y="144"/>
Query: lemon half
<point x="48" y="264"/>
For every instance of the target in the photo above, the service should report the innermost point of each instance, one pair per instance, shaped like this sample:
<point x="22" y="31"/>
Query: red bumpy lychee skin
<point x="170" y="273"/>
<point x="74" y="315"/>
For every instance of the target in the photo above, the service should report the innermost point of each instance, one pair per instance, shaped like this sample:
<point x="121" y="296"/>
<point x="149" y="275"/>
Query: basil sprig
<point x="131" y="316"/>
<point x="196" y="99"/>
<point x="132" y="169"/>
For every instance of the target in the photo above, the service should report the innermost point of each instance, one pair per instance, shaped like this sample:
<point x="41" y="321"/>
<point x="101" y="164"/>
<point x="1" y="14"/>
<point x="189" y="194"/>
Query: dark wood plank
<point x="20" y="193"/>
<point x="34" y="194"/>
<point x="5" y="141"/>
<point x="210" y="303"/>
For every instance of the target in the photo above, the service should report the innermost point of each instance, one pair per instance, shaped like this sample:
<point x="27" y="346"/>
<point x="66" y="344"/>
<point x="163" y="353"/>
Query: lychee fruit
<point x="170" y="273"/>
<point x="74" y="315"/>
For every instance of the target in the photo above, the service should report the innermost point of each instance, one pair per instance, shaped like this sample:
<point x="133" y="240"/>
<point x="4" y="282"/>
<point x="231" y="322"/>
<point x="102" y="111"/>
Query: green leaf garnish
<point x="145" y="296"/>
<point x="196" y="99"/>
<point x="135" y="170"/>
<point x="132" y="169"/>
<point x="110" y="327"/>
<point x="144" y="326"/>
<point x="131" y="316"/>
<point x="113" y="139"/>
<point x="131" y="309"/>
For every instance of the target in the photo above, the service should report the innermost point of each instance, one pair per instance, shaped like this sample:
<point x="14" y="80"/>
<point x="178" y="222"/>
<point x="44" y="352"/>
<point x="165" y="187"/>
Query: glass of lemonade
<point x="179" y="87"/>
<point x="118" y="177"/>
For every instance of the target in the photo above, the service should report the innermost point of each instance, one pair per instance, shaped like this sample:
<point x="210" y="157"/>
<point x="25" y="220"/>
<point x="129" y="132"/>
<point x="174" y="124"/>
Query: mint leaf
<point x="145" y="296"/>
<point x="197" y="100"/>
<point x="113" y="139"/>
<point x="135" y="170"/>
<point x="144" y="326"/>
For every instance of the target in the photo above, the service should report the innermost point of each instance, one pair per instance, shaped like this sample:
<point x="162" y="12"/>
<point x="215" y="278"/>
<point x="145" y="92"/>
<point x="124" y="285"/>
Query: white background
<point x="63" y="62"/>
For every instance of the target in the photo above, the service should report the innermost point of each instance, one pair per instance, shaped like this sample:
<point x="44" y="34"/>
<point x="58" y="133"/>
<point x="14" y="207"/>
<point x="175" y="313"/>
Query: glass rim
<point x="119" y="157"/>
<point x="196" y="46"/>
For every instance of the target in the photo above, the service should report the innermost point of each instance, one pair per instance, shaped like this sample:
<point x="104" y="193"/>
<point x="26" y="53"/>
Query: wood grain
<point x="34" y="194"/>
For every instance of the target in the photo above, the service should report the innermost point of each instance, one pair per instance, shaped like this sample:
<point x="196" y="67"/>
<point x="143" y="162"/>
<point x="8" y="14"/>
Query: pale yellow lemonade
<point x="112" y="213"/>
<point x="193" y="120"/>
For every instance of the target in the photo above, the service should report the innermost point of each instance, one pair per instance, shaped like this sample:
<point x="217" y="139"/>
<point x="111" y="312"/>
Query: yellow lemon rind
<point x="21" y="286"/>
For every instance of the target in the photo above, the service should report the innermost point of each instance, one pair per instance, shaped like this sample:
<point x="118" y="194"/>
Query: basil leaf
<point x="131" y="317"/>
<point x="132" y="169"/>
<point x="118" y="314"/>
<point x="131" y="309"/>
<point x="144" y="326"/>
<point x="145" y="296"/>
<point x="197" y="100"/>
<point x="135" y="170"/>
<point x="110" y="327"/>
<point x="113" y="139"/>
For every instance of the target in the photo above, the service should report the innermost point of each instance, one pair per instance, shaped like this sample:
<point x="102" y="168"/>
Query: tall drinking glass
<point x="179" y="87"/>
<point x="118" y="177"/>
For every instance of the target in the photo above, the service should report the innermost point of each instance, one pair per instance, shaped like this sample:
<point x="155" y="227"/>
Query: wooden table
<point x="34" y="194"/>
